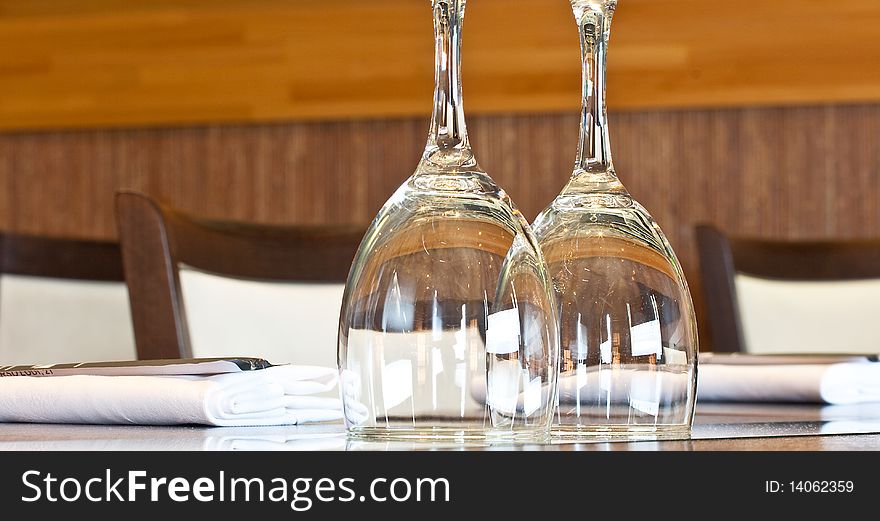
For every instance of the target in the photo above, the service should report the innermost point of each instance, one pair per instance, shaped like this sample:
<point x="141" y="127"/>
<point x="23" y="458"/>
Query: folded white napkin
<point x="280" y="395"/>
<point x="844" y="383"/>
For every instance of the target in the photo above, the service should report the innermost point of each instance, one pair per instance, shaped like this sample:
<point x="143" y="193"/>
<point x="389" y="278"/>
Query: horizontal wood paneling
<point x="84" y="63"/>
<point x="797" y="172"/>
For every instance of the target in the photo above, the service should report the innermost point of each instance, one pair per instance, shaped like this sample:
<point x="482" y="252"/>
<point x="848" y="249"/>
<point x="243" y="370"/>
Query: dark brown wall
<point x="777" y="172"/>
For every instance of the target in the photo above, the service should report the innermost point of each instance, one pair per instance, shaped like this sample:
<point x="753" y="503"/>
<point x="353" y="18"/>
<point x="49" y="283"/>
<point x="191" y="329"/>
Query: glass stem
<point x="594" y="169"/>
<point x="448" y="146"/>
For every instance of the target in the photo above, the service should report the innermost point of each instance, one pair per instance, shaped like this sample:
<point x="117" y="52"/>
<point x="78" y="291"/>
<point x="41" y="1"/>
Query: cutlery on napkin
<point x="824" y="379"/>
<point x="831" y="383"/>
<point x="277" y="395"/>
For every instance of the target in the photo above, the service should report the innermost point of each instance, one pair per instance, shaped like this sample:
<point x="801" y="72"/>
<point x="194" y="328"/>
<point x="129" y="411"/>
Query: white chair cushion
<point x="281" y="322"/>
<point x="53" y="321"/>
<point x="804" y="317"/>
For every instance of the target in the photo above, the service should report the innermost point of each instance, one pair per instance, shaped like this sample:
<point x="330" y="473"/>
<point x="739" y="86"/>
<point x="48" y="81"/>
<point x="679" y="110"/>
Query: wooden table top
<point x="717" y="427"/>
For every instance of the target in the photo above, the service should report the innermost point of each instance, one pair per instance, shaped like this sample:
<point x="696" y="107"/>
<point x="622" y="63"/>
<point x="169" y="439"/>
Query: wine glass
<point x="447" y="330"/>
<point x="628" y="337"/>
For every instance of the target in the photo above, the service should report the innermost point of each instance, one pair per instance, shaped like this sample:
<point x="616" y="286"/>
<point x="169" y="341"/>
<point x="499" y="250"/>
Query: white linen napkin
<point x="281" y="395"/>
<point x="844" y="383"/>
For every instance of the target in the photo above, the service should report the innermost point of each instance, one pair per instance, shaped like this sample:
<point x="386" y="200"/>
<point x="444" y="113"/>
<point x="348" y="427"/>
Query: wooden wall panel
<point x="86" y="63"/>
<point x="852" y="171"/>
<point x="797" y="172"/>
<point x="6" y="208"/>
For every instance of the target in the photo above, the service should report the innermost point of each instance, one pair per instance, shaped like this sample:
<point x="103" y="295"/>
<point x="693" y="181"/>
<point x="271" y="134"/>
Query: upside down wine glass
<point x="447" y="328"/>
<point x="628" y="338"/>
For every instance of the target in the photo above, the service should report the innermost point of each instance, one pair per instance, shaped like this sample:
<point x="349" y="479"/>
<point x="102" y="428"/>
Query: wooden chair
<point x="722" y="257"/>
<point x="60" y="258"/>
<point x="157" y="240"/>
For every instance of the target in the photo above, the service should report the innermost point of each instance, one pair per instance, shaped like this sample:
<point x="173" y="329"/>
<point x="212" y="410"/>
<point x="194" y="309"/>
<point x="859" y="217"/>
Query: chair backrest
<point x="63" y="300"/>
<point x="157" y="240"/>
<point x="727" y="263"/>
<point x="60" y="258"/>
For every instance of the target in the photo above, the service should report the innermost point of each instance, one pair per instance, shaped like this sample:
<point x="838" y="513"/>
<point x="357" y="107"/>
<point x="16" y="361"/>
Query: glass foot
<point x="575" y="433"/>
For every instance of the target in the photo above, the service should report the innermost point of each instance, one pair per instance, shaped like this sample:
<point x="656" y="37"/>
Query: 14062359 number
<point x="821" y="486"/>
